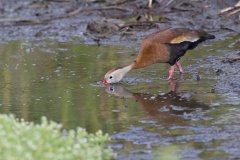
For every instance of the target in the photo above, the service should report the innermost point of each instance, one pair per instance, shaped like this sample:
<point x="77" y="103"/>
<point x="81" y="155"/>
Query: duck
<point x="164" y="46"/>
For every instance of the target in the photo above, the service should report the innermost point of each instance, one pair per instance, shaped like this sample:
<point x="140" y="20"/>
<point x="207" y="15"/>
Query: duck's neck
<point x="124" y="70"/>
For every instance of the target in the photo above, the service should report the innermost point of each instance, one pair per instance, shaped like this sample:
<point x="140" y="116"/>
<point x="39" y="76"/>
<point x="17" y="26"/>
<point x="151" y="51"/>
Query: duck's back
<point x="176" y="35"/>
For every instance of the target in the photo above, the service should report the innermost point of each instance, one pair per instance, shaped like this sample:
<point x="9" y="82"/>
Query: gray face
<point x="116" y="75"/>
<point x="113" y="77"/>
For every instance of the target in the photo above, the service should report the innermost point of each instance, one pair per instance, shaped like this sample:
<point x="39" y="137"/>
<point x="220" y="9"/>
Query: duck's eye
<point x="110" y="77"/>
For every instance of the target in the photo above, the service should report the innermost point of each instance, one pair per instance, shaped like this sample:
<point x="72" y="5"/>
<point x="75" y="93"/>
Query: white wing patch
<point x="189" y="38"/>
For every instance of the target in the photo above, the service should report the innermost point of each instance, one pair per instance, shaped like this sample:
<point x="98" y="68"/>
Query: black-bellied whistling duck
<point x="166" y="46"/>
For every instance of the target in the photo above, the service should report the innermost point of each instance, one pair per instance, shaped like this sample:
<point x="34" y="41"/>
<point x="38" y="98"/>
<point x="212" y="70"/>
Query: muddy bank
<point x="107" y="21"/>
<point x="227" y="71"/>
<point x="123" y="22"/>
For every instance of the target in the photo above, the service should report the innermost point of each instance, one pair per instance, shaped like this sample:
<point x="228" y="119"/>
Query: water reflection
<point x="163" y="107"/>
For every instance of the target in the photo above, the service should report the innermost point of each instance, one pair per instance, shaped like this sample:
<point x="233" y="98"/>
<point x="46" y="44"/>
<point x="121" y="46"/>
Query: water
<point x="147" y="116"/>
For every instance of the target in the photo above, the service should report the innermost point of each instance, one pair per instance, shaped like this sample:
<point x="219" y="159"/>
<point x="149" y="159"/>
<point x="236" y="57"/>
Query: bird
<point x="164" y="46"/>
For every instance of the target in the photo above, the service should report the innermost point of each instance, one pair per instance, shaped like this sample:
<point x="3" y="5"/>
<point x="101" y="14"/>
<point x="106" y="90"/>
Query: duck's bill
<point x="105" y="82"/>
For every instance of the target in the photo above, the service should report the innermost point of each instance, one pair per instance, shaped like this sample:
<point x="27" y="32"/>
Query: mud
<point x="228" y="71"/>
<point x="108" y="21"/>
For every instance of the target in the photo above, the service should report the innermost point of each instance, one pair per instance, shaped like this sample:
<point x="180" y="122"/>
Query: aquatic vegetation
<point x="21" y="140"/>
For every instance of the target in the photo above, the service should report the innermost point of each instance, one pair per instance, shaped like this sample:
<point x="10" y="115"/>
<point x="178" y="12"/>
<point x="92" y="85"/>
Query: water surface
<point x="147" y="116"/>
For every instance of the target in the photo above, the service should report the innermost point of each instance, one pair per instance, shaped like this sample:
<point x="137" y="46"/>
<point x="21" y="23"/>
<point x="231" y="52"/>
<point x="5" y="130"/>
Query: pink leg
<point x="179" y="66"/>
<point x="171" y="72"/>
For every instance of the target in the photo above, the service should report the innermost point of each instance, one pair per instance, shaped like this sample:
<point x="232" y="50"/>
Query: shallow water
<point x="147" y="116"/>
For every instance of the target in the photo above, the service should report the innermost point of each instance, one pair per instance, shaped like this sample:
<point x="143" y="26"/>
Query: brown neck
<point x="136" y="65"/>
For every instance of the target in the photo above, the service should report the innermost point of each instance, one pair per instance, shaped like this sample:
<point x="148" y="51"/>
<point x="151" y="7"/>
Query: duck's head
<point x="115" y="75"/>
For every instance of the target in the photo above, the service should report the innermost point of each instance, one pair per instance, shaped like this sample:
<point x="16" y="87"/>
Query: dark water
<point x="147" y="116"/>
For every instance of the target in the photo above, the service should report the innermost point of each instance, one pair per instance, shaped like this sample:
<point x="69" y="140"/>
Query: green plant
<point x="21" y="140"/>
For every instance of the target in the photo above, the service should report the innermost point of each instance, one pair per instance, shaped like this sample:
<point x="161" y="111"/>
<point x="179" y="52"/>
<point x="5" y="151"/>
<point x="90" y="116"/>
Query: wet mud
<point x="109" y="21"/>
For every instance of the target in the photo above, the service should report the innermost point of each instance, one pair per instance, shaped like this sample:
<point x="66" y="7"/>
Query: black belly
<point x="178" y="50"/>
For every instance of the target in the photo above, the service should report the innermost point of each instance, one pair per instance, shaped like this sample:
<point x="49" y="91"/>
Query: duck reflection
<point x="166" y="105"/>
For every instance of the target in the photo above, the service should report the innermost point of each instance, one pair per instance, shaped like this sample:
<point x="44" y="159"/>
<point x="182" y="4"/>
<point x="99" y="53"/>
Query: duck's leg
<point x="171" y="72"/>
<point x="179" y="66"/>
